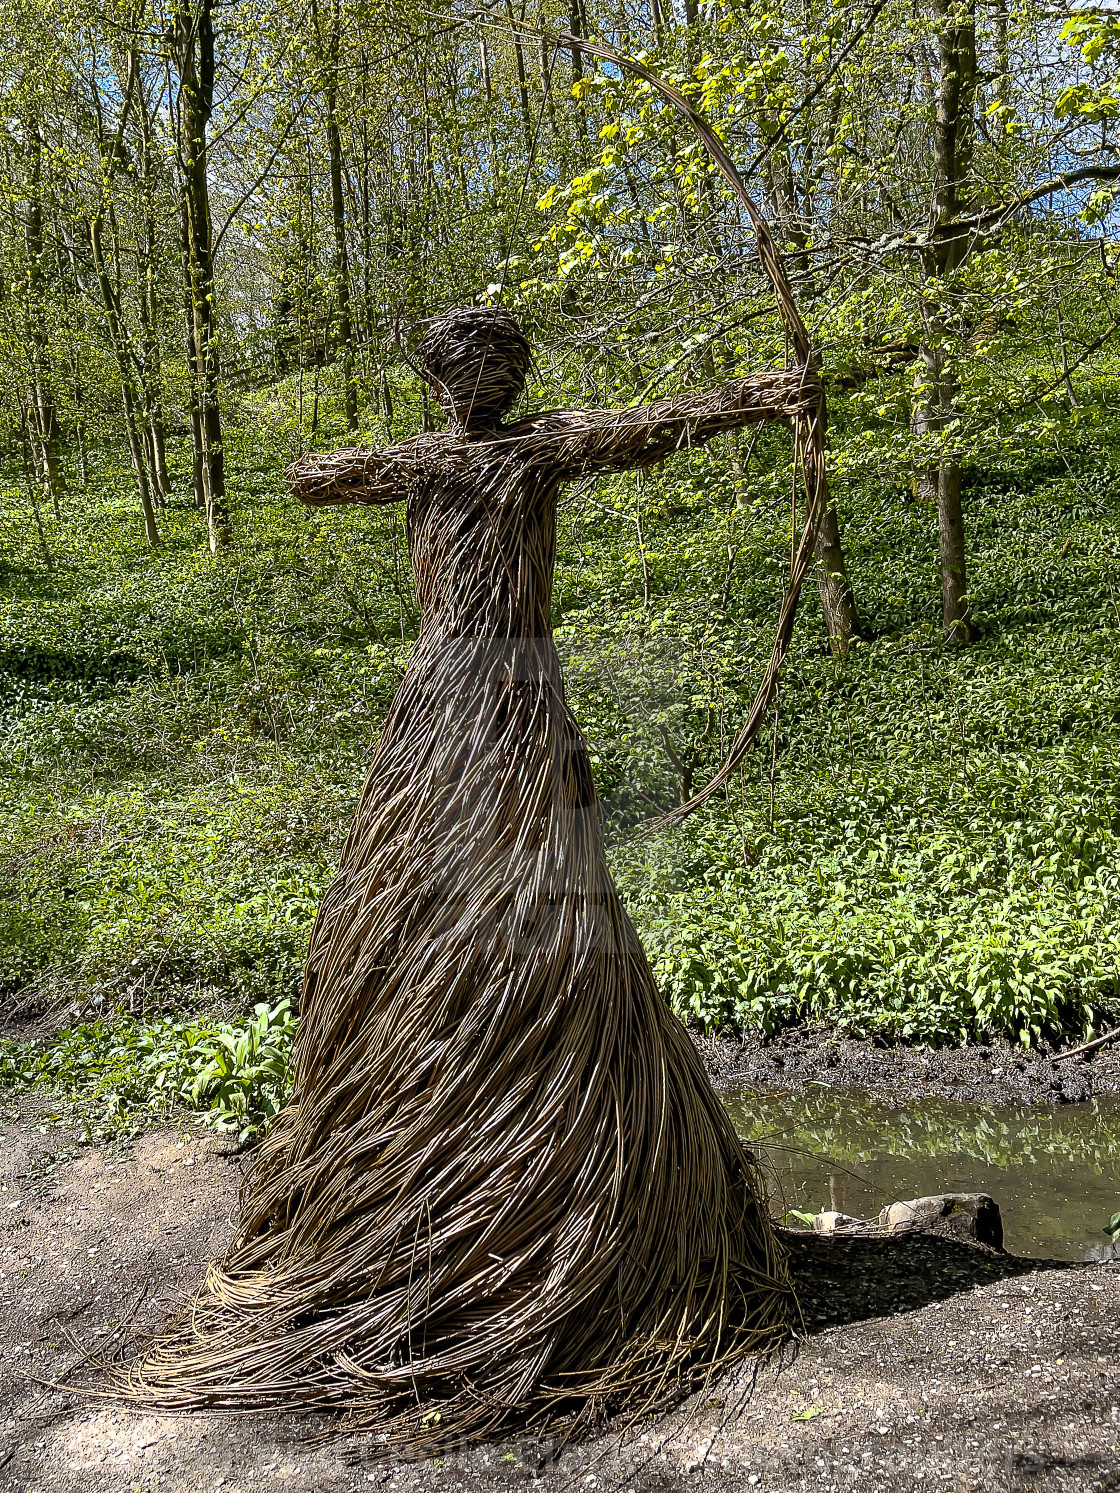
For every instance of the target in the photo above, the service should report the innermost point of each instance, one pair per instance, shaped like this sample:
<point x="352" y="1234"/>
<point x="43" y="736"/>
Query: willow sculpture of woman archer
<point x="503" y="1188"/>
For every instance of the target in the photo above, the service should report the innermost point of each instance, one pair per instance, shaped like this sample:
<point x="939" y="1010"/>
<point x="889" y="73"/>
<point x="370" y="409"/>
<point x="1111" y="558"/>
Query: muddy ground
<point x="923" y="1363"/>
<point x="994" y="1073"/>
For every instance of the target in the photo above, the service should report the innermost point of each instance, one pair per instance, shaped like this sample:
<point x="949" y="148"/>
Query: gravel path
<point x="1012" y="1383"/>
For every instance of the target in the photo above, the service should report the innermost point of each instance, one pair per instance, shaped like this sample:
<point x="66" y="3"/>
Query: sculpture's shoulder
<point x="537" y="442"/>
<point x="538" y="433"/>
<point x="427" y="454"/>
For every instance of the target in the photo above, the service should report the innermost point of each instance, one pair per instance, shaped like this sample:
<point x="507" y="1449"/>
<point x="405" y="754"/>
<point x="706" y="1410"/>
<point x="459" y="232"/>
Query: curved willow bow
<point x="809" y="429"/>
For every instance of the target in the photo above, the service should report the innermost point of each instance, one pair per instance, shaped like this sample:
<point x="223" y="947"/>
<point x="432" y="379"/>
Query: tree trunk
<point x="47" y="431"/>
<point x="27" y="448"/>
<point x="31" y="433"/>
<point x="149" y="316"/>
<point x="522" y="80"/>
<point x="118" y="338"/>
<point x="1002" y="80"/>
<point x="109" y="294"/>
<point x="158" y="440"/>
<point x="194" y="410"/>
<point x="368" y="301"/>
<point x="658" y="23"/>
<point x="194" y="49"/>
<point x="74" y="371"/>
<point x="386" y="402"/>
<point x="544" y="60"/>
<point x="927" y="417"/>
<point x="781" y="189"/>
<point x="955" y="608"/>
<point x="837" y="599"/>
<point x="80" y="435"/>
<point x="952" y="164"/>
<point x="345" y="342"/>
<point x="577" y="23"/>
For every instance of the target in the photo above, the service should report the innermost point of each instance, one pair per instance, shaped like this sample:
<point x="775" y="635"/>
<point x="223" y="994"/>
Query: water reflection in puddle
<point x="1055" y="1173"/>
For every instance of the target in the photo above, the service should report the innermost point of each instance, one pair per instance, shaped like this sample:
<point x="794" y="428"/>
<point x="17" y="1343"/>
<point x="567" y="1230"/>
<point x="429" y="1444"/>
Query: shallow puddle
<point x="1055" y="1173"/>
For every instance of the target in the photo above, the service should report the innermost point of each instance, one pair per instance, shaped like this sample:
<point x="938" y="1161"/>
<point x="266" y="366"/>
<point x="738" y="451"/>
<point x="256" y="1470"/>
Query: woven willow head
<point x="476" y="359"/>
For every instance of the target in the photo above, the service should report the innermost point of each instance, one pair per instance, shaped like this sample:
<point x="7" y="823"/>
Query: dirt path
<point x="1011" y="1384"/>
<point x="983" y="1073"/>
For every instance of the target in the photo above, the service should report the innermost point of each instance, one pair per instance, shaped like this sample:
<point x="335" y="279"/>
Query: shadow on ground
<point x="843" y="1279"/>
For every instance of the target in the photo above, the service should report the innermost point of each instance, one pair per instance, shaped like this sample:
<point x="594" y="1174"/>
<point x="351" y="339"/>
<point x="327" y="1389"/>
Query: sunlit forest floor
<point x="928" y="849"/>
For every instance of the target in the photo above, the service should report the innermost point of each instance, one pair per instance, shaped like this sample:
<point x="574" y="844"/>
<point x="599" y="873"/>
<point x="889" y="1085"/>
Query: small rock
<point x="968" y="1215"/>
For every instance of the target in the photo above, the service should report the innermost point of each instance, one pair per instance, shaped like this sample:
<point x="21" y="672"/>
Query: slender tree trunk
<point x="31" y="437"/>
<point x="27" y="449"/>
<point x="928" y="416"/>
<point x="1002" y="81"/>
<point x="495" y="173"/>
<point x="522" y="79"/>
<point x="47" y="431"/>
<point x="149" y="316"/>
<point x="833" y="583"/>
<point x="157" y="446"/>
<point x="345" y="342"/>
<point x="954" y="583"/>
<point x="108" y="291"/>
<point x="577" y="24"/>
<point x="136" y="454"/>
<point x="80" y="433"/>
<point x="369" y="307"/>
<point x="952" y="165"/>
<point x="74" y="371"/>
<point x="194" y="408"/>
<point x="782" y="191"/>
<point x="119" y="339"/>
<point x="158" y="438"/>
<point x="194" y="47"/>
<point x="658" y="23"/>
<point x="544" y="60"/>
<point x="837" y="598"/>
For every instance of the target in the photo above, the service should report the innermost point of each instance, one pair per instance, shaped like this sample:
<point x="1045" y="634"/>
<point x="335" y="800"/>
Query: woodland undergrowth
<point x="925" y="847"/>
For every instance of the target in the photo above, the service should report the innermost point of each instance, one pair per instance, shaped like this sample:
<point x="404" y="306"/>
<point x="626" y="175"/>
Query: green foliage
<point x="808" y="1219"/>
<point x="931" y="850"/>
<point x="928" y="846"/>
<point x="938" y="853"/>
<point x="906" y="903"/>
<point x="235" y="1075"/>
<point x="1112" y="1227"/>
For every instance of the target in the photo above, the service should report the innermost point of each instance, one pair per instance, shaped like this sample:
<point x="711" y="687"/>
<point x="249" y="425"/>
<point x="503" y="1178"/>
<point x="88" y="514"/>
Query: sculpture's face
<point x="481" y="389"/>
<point x="476" y="360"/>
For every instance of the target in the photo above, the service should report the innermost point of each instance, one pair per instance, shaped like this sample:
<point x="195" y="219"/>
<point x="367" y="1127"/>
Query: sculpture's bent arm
<point x="352" y="476"/>
<point x="585" y="441"/>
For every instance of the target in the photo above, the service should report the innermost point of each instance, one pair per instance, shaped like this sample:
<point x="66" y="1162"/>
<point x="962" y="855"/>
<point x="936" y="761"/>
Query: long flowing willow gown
<point x="503" y="1184"/>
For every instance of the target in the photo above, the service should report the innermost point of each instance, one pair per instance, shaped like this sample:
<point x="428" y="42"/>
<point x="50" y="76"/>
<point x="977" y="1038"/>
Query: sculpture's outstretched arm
<point x="352" y="476"/>
<point x="583" y="441"/>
